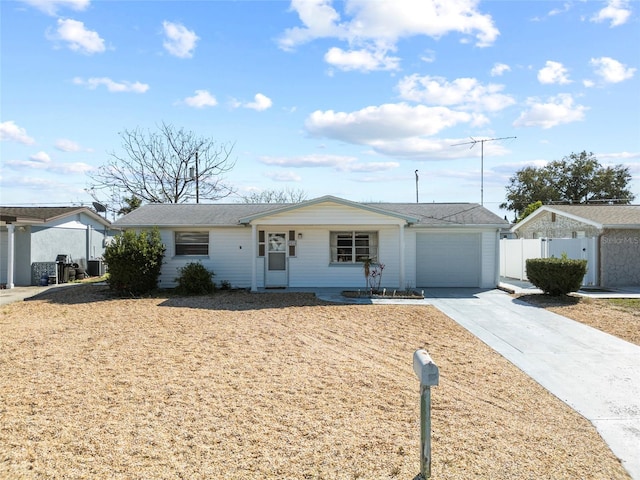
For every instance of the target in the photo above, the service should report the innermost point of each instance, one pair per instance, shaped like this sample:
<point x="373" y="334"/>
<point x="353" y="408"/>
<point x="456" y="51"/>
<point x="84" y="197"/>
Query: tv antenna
<point x="481" y="142"/>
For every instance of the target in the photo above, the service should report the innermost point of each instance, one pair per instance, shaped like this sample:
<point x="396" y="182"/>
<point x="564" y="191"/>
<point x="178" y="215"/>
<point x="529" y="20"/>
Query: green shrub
<point x="556" y="276"/>
<point x="195" y="279"/>
<point x="134" y="261"/>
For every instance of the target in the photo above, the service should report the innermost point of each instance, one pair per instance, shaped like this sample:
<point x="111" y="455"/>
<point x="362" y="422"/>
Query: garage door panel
<point x="446" y="260"/>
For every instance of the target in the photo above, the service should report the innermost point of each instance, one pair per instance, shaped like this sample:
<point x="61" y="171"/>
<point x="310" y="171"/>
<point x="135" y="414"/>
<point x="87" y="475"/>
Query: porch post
<point x="254" y="256"/>
<point x="402" y="257"/>
<point x="10" y="254"/>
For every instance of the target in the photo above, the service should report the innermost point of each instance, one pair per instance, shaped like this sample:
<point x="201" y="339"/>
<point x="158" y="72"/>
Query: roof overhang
<point x="546" y="208"/>
<point x="327" y="199"/>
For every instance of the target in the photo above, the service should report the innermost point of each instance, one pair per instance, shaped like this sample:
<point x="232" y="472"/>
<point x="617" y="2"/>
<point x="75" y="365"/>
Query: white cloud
<point x="66" y="145"/>
<point x="610" y="70"/>
<point x="385" y="122"/>
<point x="309" y="161"/>
<point x="112" y="86"/>
<point x="616" y="11"/>
<point x="319" y="19"/>
<point x="557" y="111"/>
<point x="373" y="28"/>
<point x="40" y="157"/>
<point x="179" y="41"/>
<point x="201" y="99"/>
<point x="369" y="167"/>
<point x="12" y="132"/>
<point x="499" y="68"/>
<point x="42" y="161"/>
<point x="339" y="163"/>
<point x="553" y="72"/>
<point x="365" y="60"/>
<point x="465" y="93"/>
<point x="557" y="11"/>
<point x="283" y="176"/>
<point x="261" y="102"/>
<point x="77" y="37"/>
<point x="50" y="7"/>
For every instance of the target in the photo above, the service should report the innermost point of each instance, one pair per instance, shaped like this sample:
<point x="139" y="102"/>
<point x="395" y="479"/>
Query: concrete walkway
<point x="596" y="374"/>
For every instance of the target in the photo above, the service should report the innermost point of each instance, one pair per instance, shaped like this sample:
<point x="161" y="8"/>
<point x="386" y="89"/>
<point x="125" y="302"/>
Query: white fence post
<point x="429" y="375"/>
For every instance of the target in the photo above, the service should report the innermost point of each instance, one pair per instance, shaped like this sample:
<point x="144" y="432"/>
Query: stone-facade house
<point x="616" y="229"/>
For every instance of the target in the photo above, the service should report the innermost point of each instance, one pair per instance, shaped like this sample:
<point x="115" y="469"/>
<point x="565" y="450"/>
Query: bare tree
<point x="166" y="166"/>
<point x="276" y="196"/>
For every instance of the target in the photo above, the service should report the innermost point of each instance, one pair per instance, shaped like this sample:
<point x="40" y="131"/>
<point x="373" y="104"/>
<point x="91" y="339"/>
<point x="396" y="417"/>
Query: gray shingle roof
<point x="606" y="215"/>
<point x="42" y="214"/>
<point x="176" y="215"/>
<point x="445" y="213"/>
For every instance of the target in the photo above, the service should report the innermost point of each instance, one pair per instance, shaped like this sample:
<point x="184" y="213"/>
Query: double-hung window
<point x="192" y="243"/>
<point x="353" y="247"/>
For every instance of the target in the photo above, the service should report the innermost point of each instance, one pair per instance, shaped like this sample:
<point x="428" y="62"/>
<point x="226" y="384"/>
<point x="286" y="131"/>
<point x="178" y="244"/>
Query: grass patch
<point x="628" y="304"/>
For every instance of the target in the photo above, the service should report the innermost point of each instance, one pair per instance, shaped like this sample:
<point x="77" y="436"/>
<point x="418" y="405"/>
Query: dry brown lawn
<point x="618" y="317"/>
<point x="268" y="386"/>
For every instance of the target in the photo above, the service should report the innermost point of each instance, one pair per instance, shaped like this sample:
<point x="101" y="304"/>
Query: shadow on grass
<point x="236" y="300"/>
<point x="544" y="301"/>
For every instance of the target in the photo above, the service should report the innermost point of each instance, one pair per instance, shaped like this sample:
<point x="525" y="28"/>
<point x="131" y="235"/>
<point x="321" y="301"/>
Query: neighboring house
<point x="615" y="230"/>
<point x="30" y="236"/>
<point x="322" y="242"/>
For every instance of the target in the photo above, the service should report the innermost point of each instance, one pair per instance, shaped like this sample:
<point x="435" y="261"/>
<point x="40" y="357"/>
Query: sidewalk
<point x="18" y="294"/>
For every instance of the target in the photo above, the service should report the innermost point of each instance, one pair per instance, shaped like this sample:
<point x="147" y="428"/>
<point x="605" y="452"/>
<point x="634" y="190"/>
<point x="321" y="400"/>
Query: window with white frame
<point x="192" y="243"/>
<point x="353" y="247"/>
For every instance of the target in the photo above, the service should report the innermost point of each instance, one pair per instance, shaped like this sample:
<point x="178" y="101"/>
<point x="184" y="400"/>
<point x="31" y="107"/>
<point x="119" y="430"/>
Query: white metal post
<point x="429" y="375"/>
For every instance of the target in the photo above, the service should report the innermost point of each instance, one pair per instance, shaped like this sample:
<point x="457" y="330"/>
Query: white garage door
<point x="448" y="260"/>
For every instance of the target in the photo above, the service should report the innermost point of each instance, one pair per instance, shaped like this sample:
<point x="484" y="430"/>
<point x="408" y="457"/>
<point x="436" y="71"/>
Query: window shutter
<point x="292" y="243"/>
<point x="261" y="243"/>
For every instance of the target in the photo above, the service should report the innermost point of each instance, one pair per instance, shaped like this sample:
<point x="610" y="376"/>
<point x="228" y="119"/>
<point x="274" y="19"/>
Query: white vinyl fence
<point x="515" y="252"/>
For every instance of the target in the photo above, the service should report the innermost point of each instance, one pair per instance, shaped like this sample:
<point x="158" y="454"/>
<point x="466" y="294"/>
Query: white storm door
<point x="276" y="260"/>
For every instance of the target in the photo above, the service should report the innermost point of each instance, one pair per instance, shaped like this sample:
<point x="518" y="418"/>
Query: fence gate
<point x="515" y="252"/>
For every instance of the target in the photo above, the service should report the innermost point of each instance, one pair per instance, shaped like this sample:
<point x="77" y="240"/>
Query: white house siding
<point x="230" y="256"/>
<point x="312" y="267"/>
<point x="490" y="252"/>
<point x="620" y="258"/>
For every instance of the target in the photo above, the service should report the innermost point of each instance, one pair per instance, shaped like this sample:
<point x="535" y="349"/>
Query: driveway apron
<point x="595" y="373"/>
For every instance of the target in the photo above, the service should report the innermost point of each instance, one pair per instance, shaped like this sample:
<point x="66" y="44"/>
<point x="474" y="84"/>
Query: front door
<point x="276" y="260"/>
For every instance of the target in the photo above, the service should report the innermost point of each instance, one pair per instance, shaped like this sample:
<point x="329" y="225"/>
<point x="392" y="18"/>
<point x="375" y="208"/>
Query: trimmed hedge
<point x="195" y="279"/>
<point x="556" y="276"/>
<point x="134" y="261"/>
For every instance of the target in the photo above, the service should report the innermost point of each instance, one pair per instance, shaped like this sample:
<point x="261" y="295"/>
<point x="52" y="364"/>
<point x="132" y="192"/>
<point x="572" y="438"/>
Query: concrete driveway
<point x="595" y="373"/>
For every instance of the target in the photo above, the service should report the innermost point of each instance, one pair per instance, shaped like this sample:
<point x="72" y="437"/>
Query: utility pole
<point x="417" y="186"/>
<point x="194" y="177"/>
<point x="481" y="142"/>
<point x="197" y="180"/>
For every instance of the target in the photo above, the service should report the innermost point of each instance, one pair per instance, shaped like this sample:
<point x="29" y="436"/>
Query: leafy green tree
<point x="132" y="203"/>
<point x="134" y="261"/>
<point x="578" y="178"/>
<point x="529" y="209"/>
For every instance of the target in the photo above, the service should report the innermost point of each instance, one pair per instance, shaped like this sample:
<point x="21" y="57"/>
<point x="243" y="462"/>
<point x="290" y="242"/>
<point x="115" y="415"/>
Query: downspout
<point x="496" y="262"/>
<point x="88" y="249"/>
<point x="402" y="257"/>
<point x="10" y="255"/>
<point x="254" y="257"/>
<point x="599" y="260"/>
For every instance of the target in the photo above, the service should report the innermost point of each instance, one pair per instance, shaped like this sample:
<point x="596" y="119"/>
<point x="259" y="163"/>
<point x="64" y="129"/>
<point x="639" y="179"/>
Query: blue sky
<point x="331" y="98"/>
